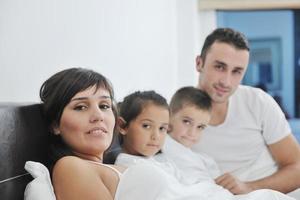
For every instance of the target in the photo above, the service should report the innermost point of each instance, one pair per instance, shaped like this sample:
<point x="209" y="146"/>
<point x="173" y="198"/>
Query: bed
<point x="23" y="136"/>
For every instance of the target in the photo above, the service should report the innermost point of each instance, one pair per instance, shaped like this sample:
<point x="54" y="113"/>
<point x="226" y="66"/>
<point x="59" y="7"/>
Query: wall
<point x="265" y="24"/>
<point x="147" y="44"/>
<point x="192" y="28"/>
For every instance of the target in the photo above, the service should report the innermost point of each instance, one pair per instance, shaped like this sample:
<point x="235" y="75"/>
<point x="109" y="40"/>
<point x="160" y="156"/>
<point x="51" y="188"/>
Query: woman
<point x="78" y="104"/>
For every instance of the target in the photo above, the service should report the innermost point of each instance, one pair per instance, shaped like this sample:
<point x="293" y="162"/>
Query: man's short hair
<point x="225" y="35"/>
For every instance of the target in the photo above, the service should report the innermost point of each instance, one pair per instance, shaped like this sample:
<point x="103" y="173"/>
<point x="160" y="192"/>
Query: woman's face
<point x="87" y="123"/>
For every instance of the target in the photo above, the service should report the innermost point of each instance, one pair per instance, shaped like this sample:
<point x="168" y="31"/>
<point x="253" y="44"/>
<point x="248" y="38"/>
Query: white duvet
<point x="147" y="180"/>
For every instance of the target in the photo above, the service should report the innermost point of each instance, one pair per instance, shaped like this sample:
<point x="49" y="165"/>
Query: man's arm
<point x="286" y="153"/>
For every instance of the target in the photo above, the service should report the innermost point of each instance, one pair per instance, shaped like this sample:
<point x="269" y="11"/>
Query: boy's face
<point x="187" y="125"/>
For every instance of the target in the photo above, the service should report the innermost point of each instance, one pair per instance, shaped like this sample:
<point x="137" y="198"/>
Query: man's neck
<point x="219" y="112"/>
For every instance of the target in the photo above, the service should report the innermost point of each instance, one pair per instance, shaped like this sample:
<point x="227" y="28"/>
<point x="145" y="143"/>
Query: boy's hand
<point x="233" y="184"/>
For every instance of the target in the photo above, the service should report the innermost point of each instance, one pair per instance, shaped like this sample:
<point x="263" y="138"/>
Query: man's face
<point x="222" y="71"/>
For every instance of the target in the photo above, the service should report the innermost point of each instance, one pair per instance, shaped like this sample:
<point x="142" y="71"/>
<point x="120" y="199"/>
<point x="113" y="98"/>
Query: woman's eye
<point x="147" y="126"/>
<point x="80" y="107"/>
<point x="104" y="106"/>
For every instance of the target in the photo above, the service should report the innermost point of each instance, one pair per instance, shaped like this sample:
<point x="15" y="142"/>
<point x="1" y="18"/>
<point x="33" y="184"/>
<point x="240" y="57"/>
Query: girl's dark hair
<point x="56" y="93"/>
<point x="190" y="96"/>
<point x="134" y="104"/>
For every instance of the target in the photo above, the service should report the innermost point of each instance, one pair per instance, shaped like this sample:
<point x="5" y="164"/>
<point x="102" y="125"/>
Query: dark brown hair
<point x="225" y="35"/>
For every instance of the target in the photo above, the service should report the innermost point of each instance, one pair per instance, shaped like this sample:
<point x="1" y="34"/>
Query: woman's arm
<point x="74" y="179"/>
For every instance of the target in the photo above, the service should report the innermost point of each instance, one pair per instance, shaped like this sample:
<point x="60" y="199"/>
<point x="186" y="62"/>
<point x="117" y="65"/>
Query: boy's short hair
<point x="190" y="96"/>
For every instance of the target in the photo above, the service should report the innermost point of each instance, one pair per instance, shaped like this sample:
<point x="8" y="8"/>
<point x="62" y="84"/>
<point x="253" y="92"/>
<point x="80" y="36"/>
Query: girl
<point x="143" y="125"/>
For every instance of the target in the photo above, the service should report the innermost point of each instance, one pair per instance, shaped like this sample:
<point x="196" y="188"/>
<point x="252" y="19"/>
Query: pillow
<point x="40" y="188"/>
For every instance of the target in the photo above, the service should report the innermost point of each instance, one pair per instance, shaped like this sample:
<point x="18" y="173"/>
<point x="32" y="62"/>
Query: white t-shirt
<point x="239" y="145"/>
<point x="159" y="160"/>
<point x="186" y="171"/>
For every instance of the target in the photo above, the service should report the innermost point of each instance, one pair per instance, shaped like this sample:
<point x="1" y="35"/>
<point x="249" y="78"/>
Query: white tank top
<point x="108" y="166"/>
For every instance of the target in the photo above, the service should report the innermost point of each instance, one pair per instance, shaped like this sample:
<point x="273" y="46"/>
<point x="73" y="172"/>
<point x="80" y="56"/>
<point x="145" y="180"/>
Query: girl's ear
<point x="122" y="125"/>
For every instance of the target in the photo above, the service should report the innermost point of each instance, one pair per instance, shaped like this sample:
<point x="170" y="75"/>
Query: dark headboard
<point x="23" y="136"/>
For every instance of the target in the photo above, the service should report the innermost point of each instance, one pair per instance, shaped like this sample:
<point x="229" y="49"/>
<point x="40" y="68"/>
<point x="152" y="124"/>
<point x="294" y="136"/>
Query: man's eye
<point x="219" y="67"/>
<point x="237" y="72"/>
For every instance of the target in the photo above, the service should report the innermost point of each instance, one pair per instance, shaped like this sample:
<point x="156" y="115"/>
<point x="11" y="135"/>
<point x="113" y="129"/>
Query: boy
<point x="190" y="112"/>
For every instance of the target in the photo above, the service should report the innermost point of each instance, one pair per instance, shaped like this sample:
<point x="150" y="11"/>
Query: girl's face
<point x="87" y="123"/>
<point x="146" y="134"/>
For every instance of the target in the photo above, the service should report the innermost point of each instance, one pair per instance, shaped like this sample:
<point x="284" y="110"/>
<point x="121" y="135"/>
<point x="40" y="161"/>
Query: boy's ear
<point x="122" y="125"/>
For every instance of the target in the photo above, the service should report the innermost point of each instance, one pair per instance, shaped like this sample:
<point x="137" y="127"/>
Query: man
<point x="248" y="134"/>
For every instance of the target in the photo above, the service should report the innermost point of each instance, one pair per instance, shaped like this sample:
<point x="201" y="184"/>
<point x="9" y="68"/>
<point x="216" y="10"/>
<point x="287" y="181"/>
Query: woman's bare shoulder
<point x="69" y="168"/>
<point x="71" y="174"/>
<point x="69" y="161"/>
